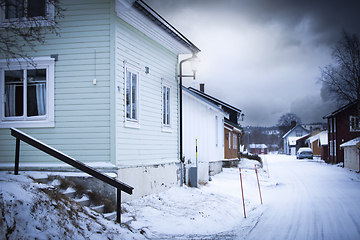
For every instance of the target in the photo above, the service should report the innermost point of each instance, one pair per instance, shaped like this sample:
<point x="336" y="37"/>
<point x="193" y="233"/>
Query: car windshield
<point x="306" y="152"/>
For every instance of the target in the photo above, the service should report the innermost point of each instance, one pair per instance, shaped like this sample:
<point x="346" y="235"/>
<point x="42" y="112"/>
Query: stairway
<point x="79" y="194"/>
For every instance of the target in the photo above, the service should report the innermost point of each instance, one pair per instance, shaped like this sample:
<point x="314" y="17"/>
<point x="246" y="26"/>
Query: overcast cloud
<point x="263" y="56"/>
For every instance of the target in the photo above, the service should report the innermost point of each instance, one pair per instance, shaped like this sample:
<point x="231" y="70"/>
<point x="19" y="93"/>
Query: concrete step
<point x="41" y="179"/>
<point x="99" y="209"/>
<point x="84" y="201"/>
<point x="110" y="216"/>
<point x="70" y="192"/>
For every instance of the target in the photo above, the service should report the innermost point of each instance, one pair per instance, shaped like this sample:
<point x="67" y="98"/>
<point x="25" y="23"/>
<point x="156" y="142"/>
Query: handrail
<point x="120" y="186"/>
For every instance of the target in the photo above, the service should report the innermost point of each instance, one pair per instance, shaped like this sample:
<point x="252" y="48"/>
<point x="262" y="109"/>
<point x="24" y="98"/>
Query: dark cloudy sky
<point x="263" y="56"/>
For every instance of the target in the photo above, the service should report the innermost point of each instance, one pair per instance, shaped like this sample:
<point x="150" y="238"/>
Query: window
<point x="27" y="10"/>
<point x="166" y="110"/>
<point x="27" y="93"/>
<point x="298" y="133"/>
<point x="229" y="140"/>
<point x="331" y="148"/>
<point x="354" y="124"/>
<point x="216" y="132"/>
<point x="330" y="125"/>
<point x="131" y="97"/>
<point x="234" y="141"/>
<point x="222" y="132"/>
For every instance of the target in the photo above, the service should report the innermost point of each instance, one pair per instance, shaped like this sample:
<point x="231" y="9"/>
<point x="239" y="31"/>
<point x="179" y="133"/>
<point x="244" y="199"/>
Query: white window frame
<point x="354" y="124"/>
<point x="222" y="132"/>
<point x="46" y="120"/>
<point x="216" y="131"/>
<point x="234" y="140"/>
<point x="167" y="105"/>
<point x="44" y="21"/>
<point x="230" y="136"/>
<point x="132" y="122"/>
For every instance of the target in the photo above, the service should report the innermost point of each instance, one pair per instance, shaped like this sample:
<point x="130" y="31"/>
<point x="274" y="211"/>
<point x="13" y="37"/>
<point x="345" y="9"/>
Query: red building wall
<point x="341" y="132"/>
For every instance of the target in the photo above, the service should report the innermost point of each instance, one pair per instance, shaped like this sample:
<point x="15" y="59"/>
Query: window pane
<point x="14" y="93"/>
<point x="14" y="9"/>
<point x="36" y="8"/>
<point x="164" y="105"/>
<point x="128" y="95"/>
<point x="133" y="96"/>
<point x="168" y="106"/>
<point x="36" y="92"/>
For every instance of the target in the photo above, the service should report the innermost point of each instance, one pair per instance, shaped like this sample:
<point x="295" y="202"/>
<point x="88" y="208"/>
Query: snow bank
<point x="33" y="211"/>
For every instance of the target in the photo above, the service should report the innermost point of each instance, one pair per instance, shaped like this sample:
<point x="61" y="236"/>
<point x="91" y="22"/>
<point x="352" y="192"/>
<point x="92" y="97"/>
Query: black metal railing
<point x="120" y="186"/>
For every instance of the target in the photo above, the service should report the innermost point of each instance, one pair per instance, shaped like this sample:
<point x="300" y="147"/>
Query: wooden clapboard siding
<point x="199" y="123"/>
<point x="82" y="110"/>
<point x="148" y="144"/>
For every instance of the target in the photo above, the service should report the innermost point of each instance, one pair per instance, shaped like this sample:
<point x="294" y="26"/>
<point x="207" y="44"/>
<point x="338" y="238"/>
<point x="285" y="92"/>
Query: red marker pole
<point x="242" y="193"/>
<point x="258" y="184"/>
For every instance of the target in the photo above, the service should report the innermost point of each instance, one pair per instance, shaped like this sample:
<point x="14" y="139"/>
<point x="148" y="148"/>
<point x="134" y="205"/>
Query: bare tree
<point x="285" y="122"/>
<point x="25" y="24"/>
<point x="343" y="77"/>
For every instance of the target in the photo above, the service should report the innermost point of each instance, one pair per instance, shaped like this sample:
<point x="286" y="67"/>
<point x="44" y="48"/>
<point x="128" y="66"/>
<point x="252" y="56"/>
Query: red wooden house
<point x="343" y="126"/>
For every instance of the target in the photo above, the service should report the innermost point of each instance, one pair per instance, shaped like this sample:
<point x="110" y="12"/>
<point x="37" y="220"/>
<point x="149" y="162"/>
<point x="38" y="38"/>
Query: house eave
<point x="138" y="14"/>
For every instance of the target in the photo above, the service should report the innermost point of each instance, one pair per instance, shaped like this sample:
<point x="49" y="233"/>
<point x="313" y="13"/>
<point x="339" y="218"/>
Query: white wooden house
<point x="104" y="93"/>
<point x="291" y="137"/>
<point x="203" y="133"/>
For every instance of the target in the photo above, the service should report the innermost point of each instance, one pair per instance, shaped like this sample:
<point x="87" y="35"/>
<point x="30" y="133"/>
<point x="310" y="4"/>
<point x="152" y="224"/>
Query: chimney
<point x="202" y="87"/>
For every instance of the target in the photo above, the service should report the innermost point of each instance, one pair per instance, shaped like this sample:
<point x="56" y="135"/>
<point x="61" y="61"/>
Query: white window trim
<point x="50" y="12"/>
<point x="216" y="131"/>
<point x="166" y="127"/>
<point x="132" y="123"/>
<point x="354" y="128"/>
<point x="30" y="122"/>
<point x="222" y="132"/>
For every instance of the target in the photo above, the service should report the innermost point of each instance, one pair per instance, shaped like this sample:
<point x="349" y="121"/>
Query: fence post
<point x="257" y="177"/>
<point x="242" y="193"/>
<point x="17" y="156"/>
<point x="118" y="205"/>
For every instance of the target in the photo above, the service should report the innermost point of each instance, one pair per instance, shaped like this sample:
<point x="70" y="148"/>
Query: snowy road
<point x="311" y="201"/>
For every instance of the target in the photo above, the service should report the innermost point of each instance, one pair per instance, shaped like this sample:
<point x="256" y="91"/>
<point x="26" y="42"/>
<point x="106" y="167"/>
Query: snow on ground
<point x="31" y="210"/>
<point x="303" y="199"/>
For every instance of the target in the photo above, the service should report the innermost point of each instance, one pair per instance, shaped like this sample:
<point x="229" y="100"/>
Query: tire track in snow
<point x="313" y="201"/>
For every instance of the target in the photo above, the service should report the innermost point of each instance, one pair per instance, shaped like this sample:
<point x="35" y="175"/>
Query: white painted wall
<point x="351" y="157"/>
<point x="199" y="119"/>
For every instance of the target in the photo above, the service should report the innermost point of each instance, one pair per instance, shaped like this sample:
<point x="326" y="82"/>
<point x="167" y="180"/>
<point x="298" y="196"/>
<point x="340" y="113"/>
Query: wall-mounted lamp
<point x="147" y="70"/>
<point x="55" y="57"/>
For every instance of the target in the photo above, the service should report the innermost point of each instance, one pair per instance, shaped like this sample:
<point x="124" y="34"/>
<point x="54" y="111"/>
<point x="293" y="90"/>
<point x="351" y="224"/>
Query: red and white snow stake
<point x="242" y="193"/>
<point x="257" y="177"/>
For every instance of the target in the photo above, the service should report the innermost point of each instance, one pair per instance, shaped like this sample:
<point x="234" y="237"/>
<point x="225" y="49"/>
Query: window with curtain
<point x="216" y="132"/>
<point x="28" y="94"/>
<point x="131" y="95"/>
<point x="25" y="93"/>
<point x="166" y="95"/>
<point x="20" y="8"/>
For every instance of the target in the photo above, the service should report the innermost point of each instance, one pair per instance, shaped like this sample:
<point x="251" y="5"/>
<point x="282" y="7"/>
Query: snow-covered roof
<point x="253" y="145"/>
<point x="296" y="127"/>
<point x="351" y="143"/>
<point x="321" y="136"/>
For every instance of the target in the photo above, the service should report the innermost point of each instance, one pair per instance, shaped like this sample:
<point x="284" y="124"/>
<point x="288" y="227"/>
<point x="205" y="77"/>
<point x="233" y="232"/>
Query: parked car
<point x="304" y="153"/>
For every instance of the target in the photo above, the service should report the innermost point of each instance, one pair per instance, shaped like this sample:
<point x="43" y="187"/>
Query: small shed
<point x="258" y="149"/>
<point x="351" y="154"/>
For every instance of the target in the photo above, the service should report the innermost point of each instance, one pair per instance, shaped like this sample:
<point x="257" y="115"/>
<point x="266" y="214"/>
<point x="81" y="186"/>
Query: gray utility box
<point x="193" y="177"/>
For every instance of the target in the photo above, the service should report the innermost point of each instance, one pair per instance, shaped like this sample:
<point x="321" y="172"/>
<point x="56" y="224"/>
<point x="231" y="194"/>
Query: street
<point x="311" y="201"/>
